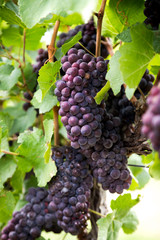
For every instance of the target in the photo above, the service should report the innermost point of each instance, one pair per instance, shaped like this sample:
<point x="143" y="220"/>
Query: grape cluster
<point x="35" y="216"/>
<point x="41" y="58"/>
<point x="88" y="38"/>
<point x="71" y="190"/>
<point x="108" y="157"/>
<point x="151" y="11"/>
<point x="120" y="106"/>
<point x="151" y="118"/>
<point x="82" y="117"/>
<point x="145" y="84"/>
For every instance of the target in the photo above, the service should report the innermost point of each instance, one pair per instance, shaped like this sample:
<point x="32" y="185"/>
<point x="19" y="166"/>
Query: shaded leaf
<point x="102" y="93"/>
<point x="8" y="76"/>
<point x="47" y="76"/>
<point x="7" y="205"/>
<point x="32" y="150"/>
<point x="135" y="56"/>
<point x="114" y="74"/>
<point x="7" y="169"/>
<point x="11" y="17"/>
<point x="103" y="226"/>
<point x="45" y="105"/>
<point x="130" y="222"/>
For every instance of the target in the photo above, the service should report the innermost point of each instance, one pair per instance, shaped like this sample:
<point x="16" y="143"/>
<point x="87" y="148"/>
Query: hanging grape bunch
<point x="151" y="118"/>
<point x="151" y="11"/>
<point x="85" y="76"/>
<point x="64" y="206"/>
<point x="88" y="38"/>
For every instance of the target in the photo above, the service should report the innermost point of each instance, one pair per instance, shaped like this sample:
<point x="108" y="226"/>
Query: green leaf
<point x="135" y="56"/>
<point x="125" y="36"/>
<point x="120" y="15"/>
<point x="3" y="137"/>
<point x="123" y="204"/>
<point x="47" y="76"/>
<point x="155" y="69"/>
<point x="130" y="222"/>
<point x="7" y="205"/>
<point x="45" y="105"/>
<point x="31" y="14"/>
<point x="66" y="46"/>
<point x="103" y="225"/>
<point x="102" y="93"/>
<point x="154" y="169"/>
<point x="15" y="38"/>
<point x="7" y="169"/>
<point x="30" y="76"/>
<point x="140" y="173"/>
<point x="32" y="150"/>
<point x="113" y="230"/>
<point x="17" y="181"/>
<point x="149" y="158"/>
<point x="156" y="41"/>
<point x="48" y="128"/>
<point x="23" y="122"/>
<point x="114" y="74"/>
<point x="33" y="37"/>
<point x="9" y="16"/>
<point x="8" y="76"/>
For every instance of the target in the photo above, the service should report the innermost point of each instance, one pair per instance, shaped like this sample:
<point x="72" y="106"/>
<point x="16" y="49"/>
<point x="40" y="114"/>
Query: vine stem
<point x="99" y="28"/>
<point x="95" y="212"/>
<point x="24" y="44"/>
<point x="51" y="52"/>
<point x="56" y="125"/>
<point x="134" y="165"/>
<point x="51" y="47"/>
<point x="8" y="152"/>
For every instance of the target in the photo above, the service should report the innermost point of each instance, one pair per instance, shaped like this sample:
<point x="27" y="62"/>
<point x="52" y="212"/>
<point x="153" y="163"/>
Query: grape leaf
<point x="135" y="56"/>
<point x="32" y="40"/>
<point x="120" y="15"/>
<point x="23" y="122"/>
<point x="102" y="93"/>
<point x="130" y="222"/>
<point x="45" y="105"/>
<point x="69" y="20"/>
<point x="114" y="74"/>
<point x="156" y="41"/>
<point x="47" y="76"/>
<point x="140" y="173"/>
<point x="66" y="46"/>
<point x="31" y="155"/>
<point x="154" y="169"/>
<point x="3" y="137"/>
<point x="48" y="128"/>
<point x="17" y="181"/>
<point x="30" y="76"/>
<point x="8" y="76"/>
<point x="7" y="169"/>
<point x="103" y="225"/>
<point x="31" y="15"/>
<point x="11" y="17"/>
<point x="149" y="158"/>
<point x="123" y="204"/>
<point x="125" y="36"/>
<point x="113" y="230"/>
<point x="7" y="205"/>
